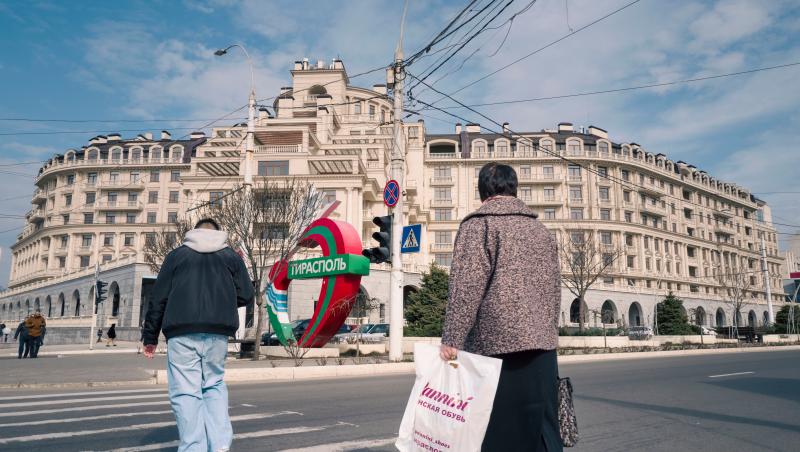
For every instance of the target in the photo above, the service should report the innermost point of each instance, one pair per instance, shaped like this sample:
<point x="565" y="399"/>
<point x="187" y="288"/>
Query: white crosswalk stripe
<point x="138" y="420"/>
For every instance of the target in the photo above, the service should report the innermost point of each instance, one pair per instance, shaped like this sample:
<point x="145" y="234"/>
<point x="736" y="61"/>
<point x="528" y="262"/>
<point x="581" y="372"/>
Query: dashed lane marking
<point x="85" y="418"/>
<point x="730" y="375"/>
<point x="346" y="445"/>
<point x="79" y="408"/>
<point x="238" y="436"/>
<point x="5" y="406"/>
<point x="59" y="435"/>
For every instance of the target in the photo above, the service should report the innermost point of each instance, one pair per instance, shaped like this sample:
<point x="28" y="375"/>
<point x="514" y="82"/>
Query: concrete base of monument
<point x="282" y="352"/>
<point x="364" y="349"/>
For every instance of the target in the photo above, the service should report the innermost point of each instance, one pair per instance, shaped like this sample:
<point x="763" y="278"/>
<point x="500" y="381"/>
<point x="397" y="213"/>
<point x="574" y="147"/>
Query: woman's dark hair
<point x="497" y="180"/>
<point x="210" y="221"/>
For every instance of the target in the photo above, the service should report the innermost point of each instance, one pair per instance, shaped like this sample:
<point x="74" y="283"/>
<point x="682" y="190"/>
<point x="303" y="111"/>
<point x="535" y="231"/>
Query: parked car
<point x="707" y="331"/>
<point x="377" y="333"/>
<point x="351" y="336"/>
<point x="298" y="328"/>
<point x="640" y="332"/>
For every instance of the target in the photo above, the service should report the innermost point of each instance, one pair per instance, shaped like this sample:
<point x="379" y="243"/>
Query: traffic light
<point x="382" y="252"/>
<point x="100" y="292"/>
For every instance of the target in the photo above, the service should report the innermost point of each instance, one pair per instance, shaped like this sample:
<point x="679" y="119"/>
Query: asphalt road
<point x="741" y="402"/>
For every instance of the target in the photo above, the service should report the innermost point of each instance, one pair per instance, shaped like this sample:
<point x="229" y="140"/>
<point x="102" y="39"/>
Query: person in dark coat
<point x="504" y="299"/>
<point x="111" y="334"/>
<point x="21" y="334"/>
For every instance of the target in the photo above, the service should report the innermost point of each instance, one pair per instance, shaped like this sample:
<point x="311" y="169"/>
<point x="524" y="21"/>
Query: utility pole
<point x="768" y="289"/>
<point x="94" y="305"/>
<point x="397" y="172"/>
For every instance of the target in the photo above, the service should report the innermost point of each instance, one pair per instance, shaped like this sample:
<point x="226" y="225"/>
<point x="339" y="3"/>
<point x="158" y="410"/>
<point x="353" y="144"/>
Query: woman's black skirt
<point x="525" y="412"/>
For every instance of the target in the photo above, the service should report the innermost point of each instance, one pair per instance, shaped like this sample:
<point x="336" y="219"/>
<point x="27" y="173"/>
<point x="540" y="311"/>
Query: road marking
<point x="346" y="445"/>
<point x="80" y="408"/>
<point x="248" y="405"/>
<point x="48" y="436"/>
<point x="730" y="375"/>
<point x="86" y="418"/>
<point x="238" y="436"/>
<point x="88" y="399"/>
<point x="65" y="394"/>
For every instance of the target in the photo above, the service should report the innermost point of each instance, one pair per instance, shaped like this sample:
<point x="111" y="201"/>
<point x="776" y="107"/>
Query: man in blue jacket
<point x="194" y="303"/>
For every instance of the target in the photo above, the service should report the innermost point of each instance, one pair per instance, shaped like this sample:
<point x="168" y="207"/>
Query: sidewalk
<point x="11" y="349"/>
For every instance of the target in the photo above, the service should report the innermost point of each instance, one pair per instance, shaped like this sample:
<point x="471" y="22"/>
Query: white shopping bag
<point x="451" y="402"/>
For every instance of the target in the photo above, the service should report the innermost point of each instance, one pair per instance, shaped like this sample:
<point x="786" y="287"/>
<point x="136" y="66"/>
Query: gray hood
<point x="206" y="240"/>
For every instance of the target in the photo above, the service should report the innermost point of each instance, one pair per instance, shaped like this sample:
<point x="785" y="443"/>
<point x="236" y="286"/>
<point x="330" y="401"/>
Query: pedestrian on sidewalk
<point x="99" y="335"/>
<point x="6" y="332"/>
<point x="21" y="334"/>
<point x="111" y="334"/>
<point x="35" y="324"/>
<point x="194" y="303"/>
<point x="504" y="301"/>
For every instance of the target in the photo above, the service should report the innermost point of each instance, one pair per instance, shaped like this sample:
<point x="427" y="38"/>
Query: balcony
<point x="654" y="209"/>
<point x="540" y="178"/>
<point x="411" y="185"/>
<point x="574" y="178"/>
<point x="441" y="180"/>
<point x="39" y="195"/>
<point x="69" y="164"/>
<point x="441" y="247"/>
<point x="36" y="214"/>
<point x="132" y="185"/>
<point x="443" y="155"/>
<point x="375" y="164"/>
<point x="441" y="203"/>
<point x="278" y="149"/>
<point x="119" y="205"/>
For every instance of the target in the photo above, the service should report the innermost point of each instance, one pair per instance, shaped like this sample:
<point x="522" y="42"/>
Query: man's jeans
<point x="199" y="397"/>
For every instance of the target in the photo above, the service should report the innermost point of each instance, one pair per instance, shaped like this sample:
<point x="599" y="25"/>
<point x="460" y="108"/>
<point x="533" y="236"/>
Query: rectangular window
<point x="108" y="239"/>
<point x="172" y="217"/>
<point x="525" y="171"/>
<point x="526" y="193"/>
<point x="90" y="198"/>
<point x="86" y="240"/>
<point x="65" y="218"/>
<point x="626" y="175"/>
<point x="441" y="193"/>
<point x="628" y="240"/>
<point x="70" y="179"/>
<point x="605" y="238"/>
<point x="443" y="237"/>
<point x="357" y="108"/>
<point x="577" y="237"/>
<point x="440" y="172"/>
<point x="173" y="197"/>
<point x="68" y="200"/>
<point x="549" y="194"/>
<point x="107" y="258"/>
<point x="631" y="261"/>
<point x="604" y="194"/>
<point x="215" y="198"/>
<point x="443" y="259"/>
<point x="626" y="196"/>
<point x="549" y="214"/>
<point x="62" y="261"/>
<point x="175" y="176"/>
<point x="152" y="197"/>
<point x="151" y="217"/>
<point x="608" y="259"/>
<point x="155" y="176"/>
<point x="576" y="214"/>
<point x="328" y="196"/>
<point x="575" y="193"/>
<point x="129" y="239"/>
<point x="130" y="218"/>
<point x="84" y="261"/>
<point x="629" y="217"/>
<point x="443" y="214"/>
<point x="574" y="172"/>
<point x="91" y="178"/>
<point x="547" y="172"/>
<point x="134" y="177"/>
<point x="478" y="171"/>
<point x="111" y="218"/>
<point x="273" y="168"/>
<point x="64" y="241"/>
<point x="113" y="177"/>
<point x="88" y="218"/>
<point x="150" y="238"/>
<point x="602" y="171"/>
<point x="605" y="214"/>
<point x="112" y="198"/>
<point x="371" y="112"/>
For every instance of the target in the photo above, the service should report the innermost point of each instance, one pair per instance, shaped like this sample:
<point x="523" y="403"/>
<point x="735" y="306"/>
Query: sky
<point x="150" y="65"/>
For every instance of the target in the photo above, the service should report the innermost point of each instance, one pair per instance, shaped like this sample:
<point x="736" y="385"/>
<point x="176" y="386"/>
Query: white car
<point x="352" y="336"/>
<point x="706" y="331"/>
<point x="377" y="333"/>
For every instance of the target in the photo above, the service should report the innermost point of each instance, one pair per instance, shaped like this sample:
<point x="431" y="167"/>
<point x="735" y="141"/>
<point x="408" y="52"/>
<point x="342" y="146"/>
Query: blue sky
<point x="153" y="60"/>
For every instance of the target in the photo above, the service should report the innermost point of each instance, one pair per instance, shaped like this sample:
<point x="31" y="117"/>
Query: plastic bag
<point x="451" y="402"/>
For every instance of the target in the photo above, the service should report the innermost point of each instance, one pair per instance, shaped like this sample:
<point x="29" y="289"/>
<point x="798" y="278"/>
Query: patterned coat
<point x="505" y="289"/>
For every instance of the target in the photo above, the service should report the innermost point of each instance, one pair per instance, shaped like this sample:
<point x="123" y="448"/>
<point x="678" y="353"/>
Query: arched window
<point x="135" y="154"/>
<point x="27" y="307"/>
<point x="479" y="147"/>
<point x="501" y="147"/>
<point x="635" y="314"/>
<point x="116" y="155"/>
<point x="602" y="146"/>
<point x="608" y="312"/>
<point x="92" y="154"/>
<point x="176" y="153"/>
<point x="765" y="318"/>
<point x="37" y="306"/>
<point x="547" y="146"/>
<point x="574" y="147"/>
<point x="317" y="90"/>
<point x="155" y="153"/>
<point x="720" y="317"/>
<point x="699" y="316"/>
<point x="62" y="303"/>
<point x="575" y="314"/>
<point x="76" y="300"/>
<point x="70" y="157"/>
<point x="49" y="303"/>
<point x="752" y="319"/>
<point x="524" y="148"/>
<point x="114" y="296"/>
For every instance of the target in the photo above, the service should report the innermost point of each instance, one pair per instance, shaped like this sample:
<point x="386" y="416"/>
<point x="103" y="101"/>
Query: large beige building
<point x="677" y="224"/>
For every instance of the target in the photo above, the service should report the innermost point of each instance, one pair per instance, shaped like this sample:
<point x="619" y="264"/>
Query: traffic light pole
<point x="94" y="307"/>
<point x="398" y="174"/>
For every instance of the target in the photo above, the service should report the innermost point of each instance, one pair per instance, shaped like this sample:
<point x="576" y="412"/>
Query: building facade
<point x="677" y="224"/>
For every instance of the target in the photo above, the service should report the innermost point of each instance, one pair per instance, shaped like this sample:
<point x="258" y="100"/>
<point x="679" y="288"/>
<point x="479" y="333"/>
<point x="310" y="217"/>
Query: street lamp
<point x="251" y="113"/>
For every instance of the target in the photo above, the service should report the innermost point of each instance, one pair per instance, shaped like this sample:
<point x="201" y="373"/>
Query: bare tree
<point x="265" y="225"/>
<point x="585" y="260"/>
<point x="737" y="285"/>
<point x="158" y="244"/>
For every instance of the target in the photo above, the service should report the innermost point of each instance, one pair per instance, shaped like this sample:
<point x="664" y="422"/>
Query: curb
<point x="88" y="384"/>
<point x="568" y="359"/>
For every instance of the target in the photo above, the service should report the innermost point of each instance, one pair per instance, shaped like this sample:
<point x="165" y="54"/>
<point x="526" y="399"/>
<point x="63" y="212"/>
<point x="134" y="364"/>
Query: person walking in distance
<point x="504" y="299"/>
<point x="99" y="335"/>
<point x="21" y="334"/>
<point x="6" y="332"/>
<point x="194" y="302"/>
<point x="111" y="334"/>
<point x="35" y="324"/>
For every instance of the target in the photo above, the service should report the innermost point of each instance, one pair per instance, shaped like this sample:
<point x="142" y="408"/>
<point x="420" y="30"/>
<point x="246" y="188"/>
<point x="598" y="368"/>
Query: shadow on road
<point x="779" y="388"/>
<point x="708" y="415"/>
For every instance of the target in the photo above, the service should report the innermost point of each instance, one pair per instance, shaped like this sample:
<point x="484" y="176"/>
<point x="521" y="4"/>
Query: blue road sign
<point x="391" y="193"/>
<point x="409" y="241"/>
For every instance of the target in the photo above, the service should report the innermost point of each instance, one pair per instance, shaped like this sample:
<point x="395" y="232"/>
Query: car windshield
<point x="364" y="328"/>
<point x="381" y="328"/>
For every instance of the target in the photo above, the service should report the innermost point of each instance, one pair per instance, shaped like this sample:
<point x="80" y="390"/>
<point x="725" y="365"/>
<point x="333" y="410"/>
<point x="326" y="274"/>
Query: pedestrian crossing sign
<point x="410" y="238"/>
